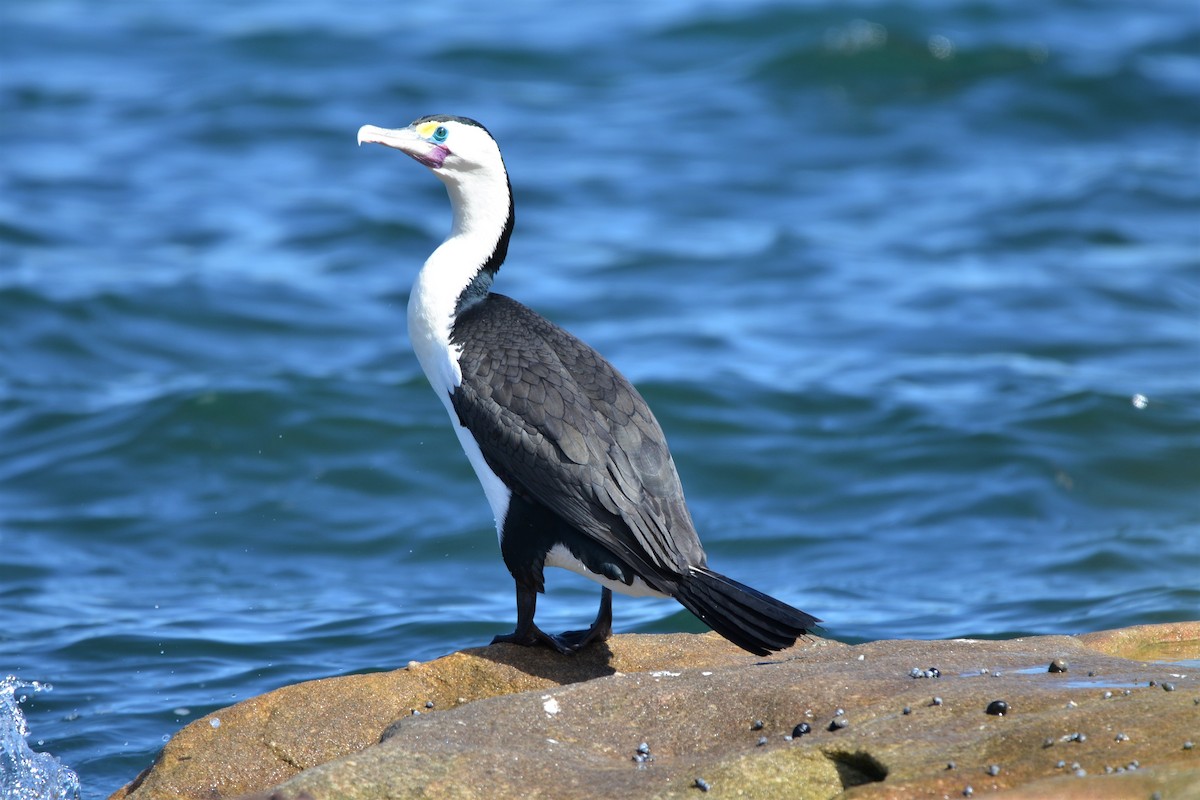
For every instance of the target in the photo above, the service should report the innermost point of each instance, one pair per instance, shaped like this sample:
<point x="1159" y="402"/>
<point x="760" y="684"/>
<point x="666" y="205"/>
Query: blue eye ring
<point x="440" y="134"/>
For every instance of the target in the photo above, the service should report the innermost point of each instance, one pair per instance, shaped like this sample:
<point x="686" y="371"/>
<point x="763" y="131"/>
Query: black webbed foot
<point x="527" y="634"/>
<point x="600" y="629"/>
<point x="533" y="636"/>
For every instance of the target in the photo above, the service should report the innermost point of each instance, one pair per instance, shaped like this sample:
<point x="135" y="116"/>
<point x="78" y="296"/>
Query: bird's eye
<point x="440" y="134"/>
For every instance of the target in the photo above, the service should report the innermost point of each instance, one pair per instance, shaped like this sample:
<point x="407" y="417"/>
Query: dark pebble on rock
<point x="968" y="791"/>
<point x="429" y="704"/>
<point x="839" y="723"/>
<point x="757" y="725"/>
<point x="906" y="711"/>
<point x="1188" y="745"/>
<point x="1168" y="687"/>
<point x="937" y="701"/>
<point x="1058" y="665"/>
<point x="997" y="708"/>
<point x="993" y="770"/>
<point x="950" y="765"/>
<point x="702" y="785"/>
<point x="801" y="729"/>
<point x="934" y="672"/>
<point x="762" y="740"/>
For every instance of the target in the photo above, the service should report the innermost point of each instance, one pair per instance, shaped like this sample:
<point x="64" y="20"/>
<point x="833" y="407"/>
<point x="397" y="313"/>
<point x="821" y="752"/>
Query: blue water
<point x="914" y="290"/>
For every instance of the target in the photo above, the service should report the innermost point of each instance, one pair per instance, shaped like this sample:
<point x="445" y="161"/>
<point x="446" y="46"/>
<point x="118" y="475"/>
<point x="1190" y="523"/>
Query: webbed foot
<point x="527" y="634"/>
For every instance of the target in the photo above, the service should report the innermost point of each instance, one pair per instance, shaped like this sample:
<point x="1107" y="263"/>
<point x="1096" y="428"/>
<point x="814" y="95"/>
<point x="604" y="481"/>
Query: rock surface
<point x="504" y="721"/>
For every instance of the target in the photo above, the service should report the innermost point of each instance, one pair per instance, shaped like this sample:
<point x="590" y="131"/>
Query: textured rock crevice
<point x="856" y="768"/>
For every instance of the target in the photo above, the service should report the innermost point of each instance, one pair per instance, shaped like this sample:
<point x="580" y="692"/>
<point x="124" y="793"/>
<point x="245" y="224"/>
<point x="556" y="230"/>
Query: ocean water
<point x="914" y="290"/>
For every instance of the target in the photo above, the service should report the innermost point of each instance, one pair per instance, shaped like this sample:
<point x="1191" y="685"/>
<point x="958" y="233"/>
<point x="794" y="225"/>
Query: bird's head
<point x="448" y="145"/>
<point x="467" y="159"/>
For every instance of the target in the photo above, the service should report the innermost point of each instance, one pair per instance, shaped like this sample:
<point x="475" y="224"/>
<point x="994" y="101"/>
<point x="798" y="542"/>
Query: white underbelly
<point x="429" y="316"/>
<point x="560" y="556"/>
<point x="498" y="495"/>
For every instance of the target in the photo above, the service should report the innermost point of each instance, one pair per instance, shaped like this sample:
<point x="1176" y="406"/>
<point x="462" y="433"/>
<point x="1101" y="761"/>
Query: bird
<point x="574" y="465"/>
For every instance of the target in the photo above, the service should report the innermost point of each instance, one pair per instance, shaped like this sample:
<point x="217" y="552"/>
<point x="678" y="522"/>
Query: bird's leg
<point x="601" y="627"/>
<point x="528" y="634"/>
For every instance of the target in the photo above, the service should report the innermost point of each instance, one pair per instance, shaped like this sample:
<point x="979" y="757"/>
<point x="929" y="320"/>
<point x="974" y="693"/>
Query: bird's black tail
<point x="747" y="617"/>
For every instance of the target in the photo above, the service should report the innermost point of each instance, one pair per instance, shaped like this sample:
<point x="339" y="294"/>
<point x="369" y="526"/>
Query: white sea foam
<point x="24" y="774"/>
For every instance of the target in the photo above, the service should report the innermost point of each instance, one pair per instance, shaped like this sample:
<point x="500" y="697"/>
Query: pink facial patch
<point x="435" y="157"/>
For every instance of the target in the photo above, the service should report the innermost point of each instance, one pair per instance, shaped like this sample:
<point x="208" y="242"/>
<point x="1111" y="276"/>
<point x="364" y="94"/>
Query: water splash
<point x="24" y="774"/>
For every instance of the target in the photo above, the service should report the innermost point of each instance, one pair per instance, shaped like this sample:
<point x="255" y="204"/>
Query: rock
<point x="510" y="721"/>
<point x="267" y="739"/>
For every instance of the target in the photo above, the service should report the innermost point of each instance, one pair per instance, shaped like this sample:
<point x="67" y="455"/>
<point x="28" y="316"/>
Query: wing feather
<point x="557" y="420"/>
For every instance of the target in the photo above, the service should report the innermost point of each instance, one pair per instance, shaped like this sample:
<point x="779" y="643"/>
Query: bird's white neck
<point x="481" y="201"/>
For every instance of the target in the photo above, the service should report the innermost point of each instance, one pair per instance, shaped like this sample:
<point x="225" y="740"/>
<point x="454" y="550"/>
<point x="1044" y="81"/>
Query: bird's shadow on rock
<point x="593" y="661"/>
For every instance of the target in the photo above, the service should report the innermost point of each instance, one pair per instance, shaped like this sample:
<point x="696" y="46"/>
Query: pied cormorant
<point x="574" y="465"/>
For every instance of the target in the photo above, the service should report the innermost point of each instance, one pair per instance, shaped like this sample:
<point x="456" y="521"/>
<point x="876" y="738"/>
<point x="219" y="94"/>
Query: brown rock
<point x="511" y="722"/>
<point x="1179" y="641"/>
<point x="264" y="740"/>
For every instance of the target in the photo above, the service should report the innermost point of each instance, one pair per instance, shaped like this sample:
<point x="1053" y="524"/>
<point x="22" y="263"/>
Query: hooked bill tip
<point x="365" y="134"/>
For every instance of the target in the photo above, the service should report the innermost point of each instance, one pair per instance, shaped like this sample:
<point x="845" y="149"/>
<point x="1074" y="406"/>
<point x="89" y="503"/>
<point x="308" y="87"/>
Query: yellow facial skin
<point x="426" y="129"/>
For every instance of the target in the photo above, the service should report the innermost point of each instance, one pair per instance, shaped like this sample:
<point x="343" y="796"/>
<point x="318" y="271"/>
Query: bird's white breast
<point x="430" y="319"/>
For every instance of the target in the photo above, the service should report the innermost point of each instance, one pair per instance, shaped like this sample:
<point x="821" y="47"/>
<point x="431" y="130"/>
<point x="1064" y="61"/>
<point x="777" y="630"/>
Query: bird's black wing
<point x="563" y="427"/>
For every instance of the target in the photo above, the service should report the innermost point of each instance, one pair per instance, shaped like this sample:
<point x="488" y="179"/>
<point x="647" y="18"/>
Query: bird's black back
<point x="562" y="427"/>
